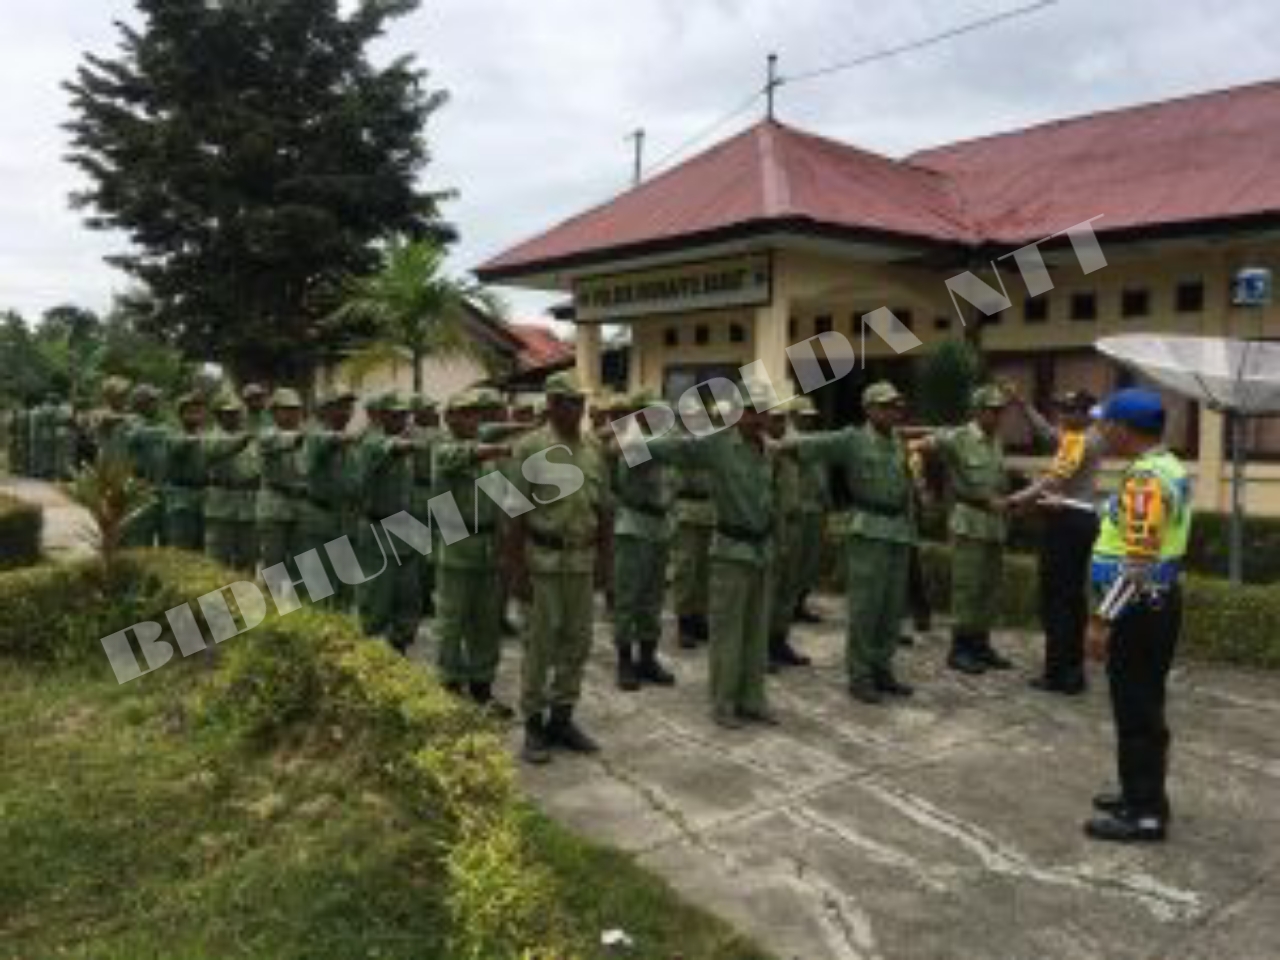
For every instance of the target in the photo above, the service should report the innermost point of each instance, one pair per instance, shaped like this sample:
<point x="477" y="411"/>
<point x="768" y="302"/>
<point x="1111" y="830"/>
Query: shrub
<point x="21" y="526"/>
<point x="444" y="764"/>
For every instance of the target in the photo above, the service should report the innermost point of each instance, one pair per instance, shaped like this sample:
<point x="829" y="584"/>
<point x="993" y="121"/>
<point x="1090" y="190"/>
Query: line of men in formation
<point x="264" y="485"/>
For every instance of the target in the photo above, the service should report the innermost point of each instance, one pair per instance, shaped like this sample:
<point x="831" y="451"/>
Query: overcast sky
<point x="544" y="95"/>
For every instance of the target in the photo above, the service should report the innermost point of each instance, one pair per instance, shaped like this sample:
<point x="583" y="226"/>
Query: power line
<point x="937" y="38"/>
<point x="701" y="135"/>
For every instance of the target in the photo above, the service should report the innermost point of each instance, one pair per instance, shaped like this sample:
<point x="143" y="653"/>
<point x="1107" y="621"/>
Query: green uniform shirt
<point x="875" y="471"/>
<point x="975" y="463"/>
<point x="456" y="468"/>
<point x="562" y="533"/>
<point x="145" y="442"/>
<point x="329" y="468"/>
<point x="234" y="475"/>
<point x="642" y="500"/>
<point x="284" y="482"/>
<point x="184" y="470"/>
<point x="742" y="488"/>
<point x="384" y="467"/>
<point x="693" y="504"/>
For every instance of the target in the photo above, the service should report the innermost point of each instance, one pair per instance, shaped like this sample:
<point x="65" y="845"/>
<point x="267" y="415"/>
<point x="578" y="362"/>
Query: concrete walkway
<point x="69" y="531"/>
<point x="944" y="828"/>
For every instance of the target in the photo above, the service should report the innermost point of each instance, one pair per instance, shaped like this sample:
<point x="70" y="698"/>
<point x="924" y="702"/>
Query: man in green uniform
<point x="877" y="540"/>
<point x="604" y="407"/>
<point x="257" y="415"/>
<point x="695" y="522"/>
<point x="332" y="488"/>
<point x="558" y="538"/>
<point x="184" y="476"/>
<point x="282" y="499"/>
<point x="144" y="442"/>
<point x="815" y="500"/>
<point x="108" y="424"/>
<point x="642" y="505"/>
<point x="468" y="619"/>
<point x="234" y="476"/>
<point x="425" y="433"/>
<point x="390" y="604"/>
<point x="787" y="496"/>
<point x="974" y="459"/>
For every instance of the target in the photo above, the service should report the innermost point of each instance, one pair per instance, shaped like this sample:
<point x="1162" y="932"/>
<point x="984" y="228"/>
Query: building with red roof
<point x="1126" y="221"/>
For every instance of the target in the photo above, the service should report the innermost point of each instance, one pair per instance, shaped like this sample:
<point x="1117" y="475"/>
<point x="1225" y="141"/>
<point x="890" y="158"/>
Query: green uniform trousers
<point x="390" y="605"/>
<point x="876" y="588"/>
<point x="467" y="625"/>
<point x="280" y="541"/>
<point x="184" y="528"/>
<point x="232" y="542"/>
<point x="318" y="528"/>
<point x="557" y="640"/>
<point x="692" y="569"/>
<point x="976" y="570"/>
<point x="640" y="575"/>
<point x="740" y="598"/>
<point x="809" y="559"/>
<point x="786" y="576"/>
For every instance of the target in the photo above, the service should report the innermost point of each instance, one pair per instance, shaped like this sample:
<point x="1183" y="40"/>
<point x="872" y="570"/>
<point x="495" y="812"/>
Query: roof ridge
<point x="775" y="179"/>
<point x="915" y="156"/>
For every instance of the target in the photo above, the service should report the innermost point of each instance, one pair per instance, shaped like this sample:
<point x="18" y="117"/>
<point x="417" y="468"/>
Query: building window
<point x="1189" y="297"/>
<point x="737" y="333"/>
<point x="1135" y="303"/>
<point x="702" y="334"/>
<point x="904" y="315"/>
<point x="821" y="325"/>
<point x="942" y="323"/>
<point x="671" y="337"/>
<point x="1084" y="306"/>
<point x="1035" y="309"/>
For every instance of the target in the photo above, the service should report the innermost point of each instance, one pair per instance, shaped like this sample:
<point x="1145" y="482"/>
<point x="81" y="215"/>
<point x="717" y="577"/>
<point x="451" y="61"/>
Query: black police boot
<point x="482" y="694"/>
<point x="702" y="629"/>
<point x="782" y="654"/>
<point x="886" y="682"/>
<point x="864" y="690"/>
<point x="1127" y="827"/>
<point x="987" y="654"/>
<point x="650" y="668"/>
<point x="537" y="746"/>
<point x="688" y="631"/>
<point x="963" y="657"/>
<point x="563" y="732"/>
<point x="628" y="676"/>
<point x="1113" y="803"/>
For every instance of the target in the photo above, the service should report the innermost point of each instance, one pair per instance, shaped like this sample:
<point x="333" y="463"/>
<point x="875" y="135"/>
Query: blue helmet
<point x="1136" y="407"/>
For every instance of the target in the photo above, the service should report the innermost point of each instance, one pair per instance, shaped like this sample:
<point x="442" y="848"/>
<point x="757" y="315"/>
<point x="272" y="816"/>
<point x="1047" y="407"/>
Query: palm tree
<point x="412" y="305"/>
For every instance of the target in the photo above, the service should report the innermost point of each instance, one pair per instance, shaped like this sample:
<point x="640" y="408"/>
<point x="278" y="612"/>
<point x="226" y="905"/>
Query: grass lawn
<point x="130" y="832"/>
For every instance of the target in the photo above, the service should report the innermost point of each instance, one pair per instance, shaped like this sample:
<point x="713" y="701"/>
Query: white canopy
<point x="1242" y="376"/>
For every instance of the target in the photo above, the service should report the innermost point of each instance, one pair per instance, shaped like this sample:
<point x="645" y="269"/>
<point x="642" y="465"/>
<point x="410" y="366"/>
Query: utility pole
<point x="772" y="84"/>
<point x="637" y="174"/>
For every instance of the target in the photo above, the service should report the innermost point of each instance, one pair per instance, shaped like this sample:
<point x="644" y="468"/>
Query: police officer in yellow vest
<point x="1137" y="567"/>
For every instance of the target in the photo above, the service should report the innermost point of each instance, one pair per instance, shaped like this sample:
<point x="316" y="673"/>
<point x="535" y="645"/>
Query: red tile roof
<point x="540" y="347"/>
<point x="1207" y="157"/>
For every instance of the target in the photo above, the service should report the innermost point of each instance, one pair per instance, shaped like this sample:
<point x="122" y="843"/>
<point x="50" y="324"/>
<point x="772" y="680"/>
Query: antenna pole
<point x="637" y="173"/>
<point x="772" y="84"/>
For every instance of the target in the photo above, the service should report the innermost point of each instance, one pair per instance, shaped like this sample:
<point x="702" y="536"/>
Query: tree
<point x="944" y="379"/>
<point x="253" y="154"/>
<point x="410" y="304"/>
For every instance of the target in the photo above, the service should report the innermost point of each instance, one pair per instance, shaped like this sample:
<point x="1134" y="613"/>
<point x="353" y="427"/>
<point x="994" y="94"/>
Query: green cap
<point x="988" y="397"/>
<point x="392" y="402"/>
<point x="421" y="402"/>
<point x="253" y="390"/>
<point x="881" y="394"/>
<point x="474" y="399"/>
<point x="144" y="391"/>
<point x="191" y="398"/>
<point x="641" y="399"/>
<point x="285" y="398"/>
<point x="228" y="402"/>
<point x="564" y="384"/>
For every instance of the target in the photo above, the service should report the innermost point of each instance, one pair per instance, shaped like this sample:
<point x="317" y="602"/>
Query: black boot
<point x="537" y="746"/>
<point x="886" y="682"/>
<point x="987" y="654"/>
<point x="782" y="654"/>
<point x="628" y="676"/>
<point x="702" y="630"/>
<point x="563" y="732"/>
<point x="482" y="694"/>
<point x="1127" y="827"/>
<point x="963" y="656"/>
<point x="650" y="668"/>
<point x="688" y="631"/>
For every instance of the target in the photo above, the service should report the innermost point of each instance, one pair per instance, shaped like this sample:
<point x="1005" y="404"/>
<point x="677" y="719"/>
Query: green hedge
<point x="21" y="526"/>
<point x="448" y="768"/>
<point x="1221" y="623"/>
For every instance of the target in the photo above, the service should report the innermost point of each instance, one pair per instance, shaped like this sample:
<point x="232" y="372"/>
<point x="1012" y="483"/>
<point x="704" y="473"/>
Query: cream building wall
<point x="442" y="377"/>
<point x="815" y="285"/>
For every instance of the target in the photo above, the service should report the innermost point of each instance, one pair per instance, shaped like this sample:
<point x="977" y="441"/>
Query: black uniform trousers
<point x="1065" y="548"/>
<point x="1143" y="641"/>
